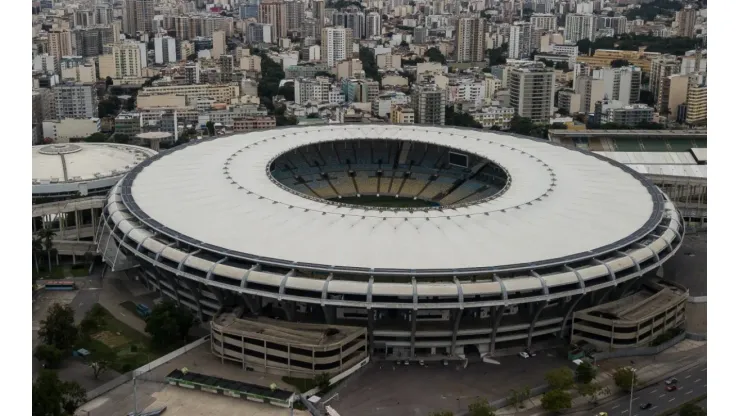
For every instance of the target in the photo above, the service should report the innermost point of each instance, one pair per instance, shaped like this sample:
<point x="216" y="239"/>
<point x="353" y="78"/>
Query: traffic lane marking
<point x="661" y="395"/>
<point x="704" y="370"/>
<point x="697" y="380"/>
<point x="653" y="391"/>
<point x="687" y="377"/>
<point x="689" y="392"/>
<point x="671" y="400"/>
<point x="615" y="407"/>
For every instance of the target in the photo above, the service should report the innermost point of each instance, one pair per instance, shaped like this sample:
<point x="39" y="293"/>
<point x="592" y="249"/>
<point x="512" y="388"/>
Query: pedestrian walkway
<point x="111" y="299"/>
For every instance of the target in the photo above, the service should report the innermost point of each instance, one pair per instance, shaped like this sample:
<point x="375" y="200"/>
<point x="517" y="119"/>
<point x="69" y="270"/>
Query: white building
<point x="520" y="40"/>
<point x="317" y="90"/>
<point x="571" y="51"/>
<point x="61" y="131"/>
<point x="466" y="90"/>
<point x="382" y="105"/>
<point x="544" y="21"/>
<point x="373" y="24"/>
<point x="621" y="84"/>
<point x="336" y="45"/>
<point x="580" y="26"/>
<point x="494" y="116"/>
<point x="164" y="50"/>
<point x="44" y="63"/>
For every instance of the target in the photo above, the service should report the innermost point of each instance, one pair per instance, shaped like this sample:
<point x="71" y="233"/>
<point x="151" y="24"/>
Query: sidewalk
<point x="111" y="299"/>
<point x="650" y="370"/>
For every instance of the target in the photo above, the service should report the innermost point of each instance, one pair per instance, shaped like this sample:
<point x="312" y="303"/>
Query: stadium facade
<point x="495" y="241"/>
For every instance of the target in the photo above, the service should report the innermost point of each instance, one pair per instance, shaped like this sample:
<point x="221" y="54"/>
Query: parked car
<point x="646" y="406"/>
<point x="523" y="354"/>
<point x="672" y="387"/>
<point x="670" y="381"/>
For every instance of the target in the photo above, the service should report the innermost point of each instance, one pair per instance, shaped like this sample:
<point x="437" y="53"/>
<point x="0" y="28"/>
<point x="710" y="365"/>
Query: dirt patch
<point x="111" y="339"/>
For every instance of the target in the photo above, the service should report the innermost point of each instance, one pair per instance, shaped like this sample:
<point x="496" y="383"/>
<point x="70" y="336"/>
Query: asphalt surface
<point x="692" y="383"/>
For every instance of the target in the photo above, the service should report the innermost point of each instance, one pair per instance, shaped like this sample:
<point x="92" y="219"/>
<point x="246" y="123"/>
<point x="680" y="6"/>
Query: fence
<point x="339" y="377"/>
<point x="126" y="377"/>
<point x="641" y="351"/>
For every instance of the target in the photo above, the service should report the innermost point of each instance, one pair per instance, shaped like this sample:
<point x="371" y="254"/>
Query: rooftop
<point x="82" y="162"/>
<point x="219" y="193"/>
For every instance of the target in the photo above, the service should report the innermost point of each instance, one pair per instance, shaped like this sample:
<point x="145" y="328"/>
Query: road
<point x="691" y="383"/>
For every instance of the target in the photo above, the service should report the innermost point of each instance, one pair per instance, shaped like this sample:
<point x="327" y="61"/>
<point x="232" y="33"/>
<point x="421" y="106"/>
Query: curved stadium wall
<point x="408" y="312"/>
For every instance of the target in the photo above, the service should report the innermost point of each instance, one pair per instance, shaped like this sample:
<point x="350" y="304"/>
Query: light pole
<point x="632" y="388"/>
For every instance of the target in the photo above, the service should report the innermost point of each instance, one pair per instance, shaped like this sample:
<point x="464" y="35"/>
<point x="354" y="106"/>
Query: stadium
<point x="69" y="185"/>
<point x="440" y="241"/>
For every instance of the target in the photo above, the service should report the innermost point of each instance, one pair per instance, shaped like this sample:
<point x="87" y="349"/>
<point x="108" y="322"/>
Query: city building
<point x="124" y="61"/>
<point x="494" y="116"/>
<point x="316" y="90"/>
<point x="287" y="348"/>
<point x="466" y="90"/>
<point x="420" y="35"/>
<point x="590" y="90"/>
<point x="219" y="44"/>
<point x="532" y="92"/>
<point x="61" y="131"/>
<point x="696" y="103"/>
<point x="521" y="40"/>
<point x="686" y="22"/>
<point x="74" y="100"/>
<point x="678" y="88"/>
<point x="382" y="105"/>
<point x="615" y="112"/>
<point x="617" y="23"/>
<point x="621" y="84"/>
<point x="352" y="18"/>
<point x="428" y="102"/>
<point x="253" y="123"/>
<point x="374" y="25"/>
<point x="221" y="93"/>
<point x="306" y="70"/>
<point x="60" y="43"/>
<point x="544" y="21"/>
<point x="571" y="51"/>
<point x="165" y="51"/>
<point x="402" y="114"/>
<point x="274" y="13"/>
<point x="580" y="26"/>
<point x="90" y="41"/>
<point x="478" y="295"/>
<point x="295" y="12"/>
<point x="604" y="58"/>
<point x="388" y="61"/>
<point x="138" y="16"/>
<point x="569" y="101"/>
<point x="470" y="46"/>
<point x="336" y="45"/>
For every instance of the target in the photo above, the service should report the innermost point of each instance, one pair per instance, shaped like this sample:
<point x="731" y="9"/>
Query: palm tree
<point x="37" y="248"/>
<point x="46" y="235"/>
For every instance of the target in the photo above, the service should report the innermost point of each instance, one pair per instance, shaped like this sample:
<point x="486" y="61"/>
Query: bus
<point x="60" y="285"/>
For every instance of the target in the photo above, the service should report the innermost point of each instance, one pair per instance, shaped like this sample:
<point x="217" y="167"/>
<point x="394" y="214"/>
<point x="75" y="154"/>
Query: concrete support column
<point x="264" y="345"/>
<point x="289" y="308"/>
<point x="341" y="357"/>
<point x="496" y="320"/>
<point x="251" y="303"/>
<point x="77" y="225"/>
<point x="313" y="360"/>
<point x="330" y="314"/>
<point x="174" y="284"/>
<point x="569" y="314"/>
<point x="413" y="333"/>
<point x="94" y="221"/>
<point x="370" y="330"/>
<point x="196" y="294"/>
<point x="289" y="370"/>
<point x="455" y="327"/>
<point x="611" y="339"/>
<point x="537" y="313"/>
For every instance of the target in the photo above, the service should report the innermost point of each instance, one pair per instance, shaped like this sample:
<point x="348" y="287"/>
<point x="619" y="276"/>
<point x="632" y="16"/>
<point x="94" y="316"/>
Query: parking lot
<point x="385" y="388"/>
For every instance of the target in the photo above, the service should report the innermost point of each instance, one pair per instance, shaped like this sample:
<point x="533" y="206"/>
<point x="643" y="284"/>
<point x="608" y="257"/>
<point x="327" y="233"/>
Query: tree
<point x="625" y="378"/>
<point x="480" y="407"/>
<point x="211" y="128"/>
<point x="563" y="66"/>
<point x="403" y="44"/>
<point x="517" y="397"/>
<point x="369" y="64"/>
<point x="593" y="391"/>
<point x="100" y="361"/>
<point x="521" y="125"/>
<point x="53" y="397"/>
<point x="585" y="373"/>
<point x="58" y="329"/>
<point x="560" y="378"/>
<point x="453" y="118"/>
<point x="108" y="81"/>
<point x="46" y="235"/>
<point x="169" y="324"/>
<point x="50" y="355"/>
<point x="121" y="138"/>
<point x="287" y="91"/>
<point x="322" y="381"/>
<point x="497" y="56"/>
<point x="442" y="413"/>
<point x="435" y="55"/>
<point x="36" y="248"/>
<point x="192" y="57"/>
<point x="618" y="63"/>
<point x="96" y="138"/>
<point x="130" y="104"/>
<point x="93" y="321"/>
<point x="691" y="409"/>
<point x="556" y="400"/>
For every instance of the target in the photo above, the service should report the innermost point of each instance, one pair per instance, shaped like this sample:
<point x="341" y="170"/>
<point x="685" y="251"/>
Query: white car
<point x="444" y="363"/>
<point x="406" y="362"/>
<point x="421" y="363"/>
<point x="523" y="354"/>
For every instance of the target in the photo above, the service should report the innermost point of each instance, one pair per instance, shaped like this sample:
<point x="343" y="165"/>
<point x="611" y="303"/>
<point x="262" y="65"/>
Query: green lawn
<point x="131" y="348"/>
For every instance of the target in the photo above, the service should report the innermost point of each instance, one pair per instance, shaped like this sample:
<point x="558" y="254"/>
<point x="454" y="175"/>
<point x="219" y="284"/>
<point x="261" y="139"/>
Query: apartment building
<point x="470" y="46"/>
<point x="274" y="13"/>
<point x="222" y="93"/>
<point x="165" y="50"/>
<point x="696" y="103"/>
<point x="532" y="92"/>
<point x="402" y="114"/>
<point x="580" y="26"/>
<point x="317" y="90"/>
<point x="61" y="131"/>
<point x="544" y="21"/>
<point x="466" y="90"/>
<point x="124" y="61"/>
<point x="494" y="116"/>
<point x="388" y="61"/>
<point x="428" y="102"/>
<point x="138" y="16"/>
<point x="611" y="111"/>
<point x="521" y="40"/>
<point x="75" y="101"/>
<point x="381" y="107"/>
<point x="336" y="45"/>
<point x="248" y="124"/>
